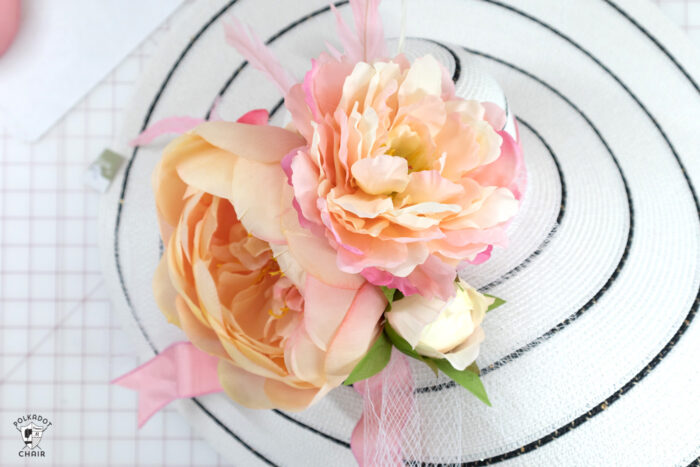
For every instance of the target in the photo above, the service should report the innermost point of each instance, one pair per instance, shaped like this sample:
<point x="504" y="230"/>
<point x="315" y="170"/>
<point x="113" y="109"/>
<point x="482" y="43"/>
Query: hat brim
<point x="593" y="360"/>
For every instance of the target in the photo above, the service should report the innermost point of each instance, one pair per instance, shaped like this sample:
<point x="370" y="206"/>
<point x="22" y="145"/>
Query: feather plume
<point x="258" y="55"/>
<point x="177" y="125"/>
<point x="367" y="43"/>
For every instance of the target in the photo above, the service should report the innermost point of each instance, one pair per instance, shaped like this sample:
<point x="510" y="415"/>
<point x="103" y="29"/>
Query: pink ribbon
<point x="388" y="403"/>
<point x="180" y="371"/>
<point x="183" y="371"/>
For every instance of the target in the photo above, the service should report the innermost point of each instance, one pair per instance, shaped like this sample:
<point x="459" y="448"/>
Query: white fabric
<point x="620" y="330"/>
<point x="65" y="48"/>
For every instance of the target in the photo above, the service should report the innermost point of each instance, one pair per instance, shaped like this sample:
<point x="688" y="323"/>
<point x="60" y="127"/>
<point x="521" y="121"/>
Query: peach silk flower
<point x="403" y="179"/>
<point x="244" y="281"/>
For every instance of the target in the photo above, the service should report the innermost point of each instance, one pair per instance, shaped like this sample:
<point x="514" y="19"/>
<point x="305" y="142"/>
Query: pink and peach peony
<point x="402" y="178"/>
<point x="244" y="281"/>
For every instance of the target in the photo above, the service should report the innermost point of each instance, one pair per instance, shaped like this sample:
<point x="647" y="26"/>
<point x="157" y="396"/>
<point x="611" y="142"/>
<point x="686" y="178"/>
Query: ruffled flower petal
<point x="357" y="331"/>
<point x="464" y="355"/>
<point x="260" y="143"/>
<point x="381" y="175"/>
<point x="304" y="358"/>
<point x="315" y="256"/>
<point x="257" y="193"/>
<point x="324" y="310"/>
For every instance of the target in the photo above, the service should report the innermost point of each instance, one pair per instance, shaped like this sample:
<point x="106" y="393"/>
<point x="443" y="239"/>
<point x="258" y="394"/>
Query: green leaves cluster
<point x="379" y="354"/>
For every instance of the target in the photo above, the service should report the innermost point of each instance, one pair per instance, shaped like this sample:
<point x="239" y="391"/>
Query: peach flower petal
<point x="314" y="255"/>
<point x="257" y="392"/>
<point x="324" y="310"/>
<point x="495" y="115"/>
<point x="304" y="178"/>
<point x="357" y="331"/>
<point x="434" y="278"/>
<point x="243" y="387"/>
<point x="505" y="170"/>
<point x="257" y="194"/>
<point x="200" y="335"/>
<point x="423" y="78"/>
<point x="260" y="143"/>
<point x="304" y="358"/>
<point x="164" y="292"/>
<point x="168" y="188"/>
<point x="427" y="186"/>
<point x="498" y="207"/>
<point x="209" y="170"/>
<point x="362" y="205"/>
<point x="288" y="398"/>
<point x="381" y="175"/>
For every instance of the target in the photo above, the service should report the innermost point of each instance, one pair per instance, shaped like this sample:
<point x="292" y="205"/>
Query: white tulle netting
<point x="399" y="425"/>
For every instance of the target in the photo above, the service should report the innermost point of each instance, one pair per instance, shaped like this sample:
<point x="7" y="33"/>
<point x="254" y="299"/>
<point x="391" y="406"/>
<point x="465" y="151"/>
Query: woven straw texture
<point x="593" y="360"/>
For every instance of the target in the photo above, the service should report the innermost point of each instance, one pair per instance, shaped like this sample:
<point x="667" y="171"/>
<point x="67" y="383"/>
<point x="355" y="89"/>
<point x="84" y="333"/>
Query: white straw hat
<point x="594" y="358"/>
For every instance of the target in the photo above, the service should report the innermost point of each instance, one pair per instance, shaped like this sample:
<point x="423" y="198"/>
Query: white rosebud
<point x="438" y="329"/>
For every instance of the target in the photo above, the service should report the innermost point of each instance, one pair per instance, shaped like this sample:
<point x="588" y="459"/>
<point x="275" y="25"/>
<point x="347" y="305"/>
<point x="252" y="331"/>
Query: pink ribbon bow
<point x="183" y="371"/>
<point x="180" y="371"/>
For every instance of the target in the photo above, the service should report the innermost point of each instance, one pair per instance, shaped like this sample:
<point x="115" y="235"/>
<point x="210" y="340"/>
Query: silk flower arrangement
<point x="296" y="259"/>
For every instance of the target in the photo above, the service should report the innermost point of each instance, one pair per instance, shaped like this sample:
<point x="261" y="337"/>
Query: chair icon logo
<point x="31" y="428"/>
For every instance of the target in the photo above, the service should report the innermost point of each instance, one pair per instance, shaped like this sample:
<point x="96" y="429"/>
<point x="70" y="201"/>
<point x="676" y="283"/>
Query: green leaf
<point x="474" y="369"/>
<point x="388" y="293"/>
<point x="400" y="343"/>
<point x="405" y="348"/>
<point x="465" y="378"/>
<point x="373" y="362"/>
<point x="431" y="364"/>
<point x="496" y="303"/>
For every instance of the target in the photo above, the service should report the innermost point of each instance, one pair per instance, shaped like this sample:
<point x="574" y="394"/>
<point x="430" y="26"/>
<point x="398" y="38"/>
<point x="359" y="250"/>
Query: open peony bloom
<point x="244" y="281"/>
<point x="403" y="179"/>
<point x="438" y="329"/>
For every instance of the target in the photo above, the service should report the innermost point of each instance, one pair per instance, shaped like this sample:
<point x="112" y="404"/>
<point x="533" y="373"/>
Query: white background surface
<point x="65" y="48"/>
<point x="59" y="344"/>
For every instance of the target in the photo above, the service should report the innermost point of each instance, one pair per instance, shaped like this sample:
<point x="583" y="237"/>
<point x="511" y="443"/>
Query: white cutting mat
<point x="59" y="344"/>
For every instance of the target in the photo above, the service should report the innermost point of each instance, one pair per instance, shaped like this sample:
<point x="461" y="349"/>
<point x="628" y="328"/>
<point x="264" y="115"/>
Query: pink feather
<point x="350" y="41"/>
<point x="256" y="52"/>
<point x="333" y="51"/>
<point x="367" y="43"/>
<point x="177" y="125"/>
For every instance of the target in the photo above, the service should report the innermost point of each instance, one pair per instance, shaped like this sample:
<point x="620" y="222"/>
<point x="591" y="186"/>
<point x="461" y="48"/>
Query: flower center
<point x="406" y="143"/>
<point x="279" y="313"/>
<point x="270" y="269"/>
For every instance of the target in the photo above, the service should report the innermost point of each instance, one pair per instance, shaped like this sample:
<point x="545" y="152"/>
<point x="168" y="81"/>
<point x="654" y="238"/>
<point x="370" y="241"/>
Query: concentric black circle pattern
<point x="560" y="326"/>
